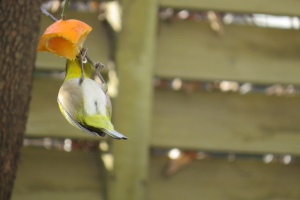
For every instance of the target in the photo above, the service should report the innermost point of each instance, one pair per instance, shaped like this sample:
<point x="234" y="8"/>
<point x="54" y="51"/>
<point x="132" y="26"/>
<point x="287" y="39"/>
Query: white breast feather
<point x="92" y="92"/>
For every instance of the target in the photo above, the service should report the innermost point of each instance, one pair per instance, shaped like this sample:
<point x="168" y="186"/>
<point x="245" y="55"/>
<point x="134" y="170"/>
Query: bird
<point x="84" y="102"/>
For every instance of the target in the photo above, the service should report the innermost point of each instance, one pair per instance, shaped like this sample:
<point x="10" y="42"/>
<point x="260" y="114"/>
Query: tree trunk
<point x="19" y="27"/>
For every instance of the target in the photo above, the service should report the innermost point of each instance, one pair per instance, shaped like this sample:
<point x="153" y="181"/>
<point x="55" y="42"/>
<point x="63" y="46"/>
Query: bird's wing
<point x="114" y="134"/>
<point x="109" y="106"/>
<point x="73" y="121"/>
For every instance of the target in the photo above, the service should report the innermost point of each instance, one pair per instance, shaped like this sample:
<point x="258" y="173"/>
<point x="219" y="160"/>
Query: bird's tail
<point x="114" y="134"/>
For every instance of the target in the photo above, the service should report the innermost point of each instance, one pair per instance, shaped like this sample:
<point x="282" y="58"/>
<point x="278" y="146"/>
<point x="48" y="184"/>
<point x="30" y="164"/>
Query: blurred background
<point x="207" y="92"/>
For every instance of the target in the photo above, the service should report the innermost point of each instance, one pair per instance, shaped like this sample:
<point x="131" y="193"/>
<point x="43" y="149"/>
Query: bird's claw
<point x="99" y="66"/>
<point x="83" y="53"/>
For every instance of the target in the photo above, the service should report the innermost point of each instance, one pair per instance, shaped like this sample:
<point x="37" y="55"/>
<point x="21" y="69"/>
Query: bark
<point x="19" y="26"/>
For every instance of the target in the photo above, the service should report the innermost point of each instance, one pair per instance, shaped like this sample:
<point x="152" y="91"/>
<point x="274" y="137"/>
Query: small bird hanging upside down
<point x="84" y="102"/>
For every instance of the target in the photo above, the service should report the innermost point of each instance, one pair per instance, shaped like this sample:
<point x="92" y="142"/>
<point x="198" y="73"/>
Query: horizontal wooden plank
<point x="253" y="123"/>
<point x="281" y="7"/>
<point x="221" y="180"/>
<point x="45" y="118"/>
<point x="51" y="174"/>
<point x="192" y="50"/>
<point x="215" y="121"/>
<point x="95" y="0"/>
<point x="96" y="42"/>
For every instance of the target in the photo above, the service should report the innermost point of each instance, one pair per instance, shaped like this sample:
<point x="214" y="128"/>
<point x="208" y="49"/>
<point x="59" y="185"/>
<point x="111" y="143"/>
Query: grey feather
<point x="72" y="96"/>
<point x="76" y="123"/>
<point x="114" y="134"/>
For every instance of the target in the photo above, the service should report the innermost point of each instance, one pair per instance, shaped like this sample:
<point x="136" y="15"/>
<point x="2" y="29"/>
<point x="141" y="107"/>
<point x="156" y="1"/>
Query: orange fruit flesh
<point x="62" y="47"/>
<point x="64" y="38"/>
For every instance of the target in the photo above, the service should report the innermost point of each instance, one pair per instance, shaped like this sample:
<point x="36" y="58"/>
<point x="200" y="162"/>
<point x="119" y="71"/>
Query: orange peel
<point x="64" y="38"/>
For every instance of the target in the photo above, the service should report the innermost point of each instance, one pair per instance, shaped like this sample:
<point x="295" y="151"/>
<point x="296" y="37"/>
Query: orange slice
<point x="64" y="38"/>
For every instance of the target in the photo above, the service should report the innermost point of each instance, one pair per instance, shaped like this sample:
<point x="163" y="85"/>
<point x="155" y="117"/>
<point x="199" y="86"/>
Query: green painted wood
<point x="192" y="50"/>
<point x="52" y="174"/>
<point x="132" y="109"/>
<point x="215" y="121"/>
<point x="96" y="42"/>
<point x="252" y="123"/>
<point x="281" y="7"/>
<point x="222" y="180"/>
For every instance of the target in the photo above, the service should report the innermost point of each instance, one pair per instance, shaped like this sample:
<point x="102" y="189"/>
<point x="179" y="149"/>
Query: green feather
<point x="73" y="69"/>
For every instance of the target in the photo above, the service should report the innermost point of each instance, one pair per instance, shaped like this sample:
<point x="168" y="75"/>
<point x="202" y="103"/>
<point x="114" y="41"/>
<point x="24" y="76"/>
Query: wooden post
<point x="133" y="107"/>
